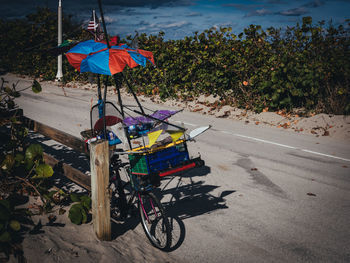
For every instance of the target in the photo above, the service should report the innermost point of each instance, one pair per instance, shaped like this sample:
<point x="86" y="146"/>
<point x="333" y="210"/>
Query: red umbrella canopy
<point x="93" y="56"/>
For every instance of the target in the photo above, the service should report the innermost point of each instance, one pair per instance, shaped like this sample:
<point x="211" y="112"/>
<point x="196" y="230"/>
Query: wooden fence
<point x="97" y="183"/>
<point x="66" y="139"/>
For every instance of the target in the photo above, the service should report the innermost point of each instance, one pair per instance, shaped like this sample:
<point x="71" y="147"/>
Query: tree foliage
<point x="304" y="66"/>
<point x="307" y="65"/>
<point x="26" y="44"/>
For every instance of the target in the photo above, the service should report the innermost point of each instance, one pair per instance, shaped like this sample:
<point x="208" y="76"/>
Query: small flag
<point x="175" y="135"/>
<point x="94" y="27"/>
<point x="153" y="136"/>
<point x="93" y="23"/>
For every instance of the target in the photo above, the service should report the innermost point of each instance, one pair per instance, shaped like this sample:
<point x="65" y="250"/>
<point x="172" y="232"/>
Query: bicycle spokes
<point x="154" y="210"/>
<point x="154" y="221"/>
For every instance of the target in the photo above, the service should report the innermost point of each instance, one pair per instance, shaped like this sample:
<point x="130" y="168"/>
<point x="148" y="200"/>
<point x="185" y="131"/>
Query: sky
<point x="180" y="18"/>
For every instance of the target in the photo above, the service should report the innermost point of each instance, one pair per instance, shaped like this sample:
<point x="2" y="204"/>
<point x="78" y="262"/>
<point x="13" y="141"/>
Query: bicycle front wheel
<point x="154" y="221"/>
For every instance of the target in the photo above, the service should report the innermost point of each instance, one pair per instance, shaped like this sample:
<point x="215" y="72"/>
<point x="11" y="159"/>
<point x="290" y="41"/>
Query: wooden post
<point x="101" y="216"/>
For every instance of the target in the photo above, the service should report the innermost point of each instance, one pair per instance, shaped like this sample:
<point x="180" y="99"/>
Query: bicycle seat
<point x="109" y="121"/>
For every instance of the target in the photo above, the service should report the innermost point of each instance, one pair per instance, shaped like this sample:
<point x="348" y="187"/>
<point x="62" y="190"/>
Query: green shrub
<point x="307" y="65"/>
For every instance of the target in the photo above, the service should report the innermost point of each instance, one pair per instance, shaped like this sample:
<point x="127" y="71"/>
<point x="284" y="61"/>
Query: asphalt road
<point x="265" y="195"/>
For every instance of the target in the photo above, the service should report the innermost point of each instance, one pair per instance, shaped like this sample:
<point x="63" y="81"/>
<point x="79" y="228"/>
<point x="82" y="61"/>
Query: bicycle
<point x="124" y="194"/>
<point x="146" y="164"/>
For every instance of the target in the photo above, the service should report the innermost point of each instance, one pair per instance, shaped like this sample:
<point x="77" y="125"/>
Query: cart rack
<point x="163" y="160"/>
<point x="197" y="162"/>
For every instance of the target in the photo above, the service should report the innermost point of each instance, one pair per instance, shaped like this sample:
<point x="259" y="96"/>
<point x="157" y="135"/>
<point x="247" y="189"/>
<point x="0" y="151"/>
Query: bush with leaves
<point x="79" y="211"/>
<point x="23" y="172"/>
<point x="27" y="44"/>
<point x="307" y="65"/>
<point x="11" y="229"/>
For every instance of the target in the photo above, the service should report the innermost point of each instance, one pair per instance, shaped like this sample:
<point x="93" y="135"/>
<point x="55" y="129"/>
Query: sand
<point x="66" y="242"/>
<point x="62" y="241"/>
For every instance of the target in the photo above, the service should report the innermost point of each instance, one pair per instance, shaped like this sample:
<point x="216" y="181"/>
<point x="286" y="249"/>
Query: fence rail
<point x="68" y="140"/>
<point x="68" y="171"/>
<point x="97" y="183"/>
<point x="54" y="134"/>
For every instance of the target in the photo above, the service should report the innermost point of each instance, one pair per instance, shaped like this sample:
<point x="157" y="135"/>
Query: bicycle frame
<point x="127" y="205"/>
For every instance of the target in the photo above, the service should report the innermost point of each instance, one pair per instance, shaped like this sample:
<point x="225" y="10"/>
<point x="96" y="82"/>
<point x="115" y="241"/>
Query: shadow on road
<point x="181" y="201"/>
<point x="260" y="179"/>
<point x="181" y="196"/>
<point x="191" y="199"/>
<point x="188" y="200"/>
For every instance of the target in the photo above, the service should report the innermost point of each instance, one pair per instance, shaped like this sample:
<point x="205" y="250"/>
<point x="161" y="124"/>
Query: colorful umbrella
<point x="95" y="57"/>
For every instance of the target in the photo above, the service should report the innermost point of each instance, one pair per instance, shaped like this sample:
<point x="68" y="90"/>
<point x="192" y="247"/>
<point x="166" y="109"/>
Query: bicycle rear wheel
<point x="122" y="194"/>
<point x="154" y="221"/>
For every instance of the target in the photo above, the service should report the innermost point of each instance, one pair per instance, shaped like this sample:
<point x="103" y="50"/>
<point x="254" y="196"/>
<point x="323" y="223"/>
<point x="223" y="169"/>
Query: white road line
<point x="277" y="144"/>
<point x="327" y="155"/>
<point x="264" y="141"/>
<point x="285" y="146"/>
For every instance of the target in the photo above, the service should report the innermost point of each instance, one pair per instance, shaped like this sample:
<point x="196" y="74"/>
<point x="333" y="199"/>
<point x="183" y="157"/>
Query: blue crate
<point x="161" y="160"/>
<point x="167" y="158"/>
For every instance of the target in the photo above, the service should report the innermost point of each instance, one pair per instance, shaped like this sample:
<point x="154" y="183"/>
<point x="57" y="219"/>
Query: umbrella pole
<point x="100" y="101"/>
<point x="99" y="88"/>
<point x="100" y="113"/>
<point x="133" y="93"/>
<point x="103" y="23"/>
<point x="104" y="109"/>
<point x="118" y="85"/>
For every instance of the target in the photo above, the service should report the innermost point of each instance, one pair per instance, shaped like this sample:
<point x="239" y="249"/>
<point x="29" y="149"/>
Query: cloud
<point x="173" y="29"/>
<point x="143" y="23"/>
<point x="156" y="27"/>
<point x="277" y="2"/>
<point x="301" y="10"/>
<point x="142" y="3"/>
<point x="177" y="24"/>
<point x="109" y="19"/>
<point x="225" y="24"/>
<point x="162" y="16"/>
<point x="298" y="11"/>
<point x="260" y="12"/>
<point x="133" y="12"/>
<point x="269" y="7"/>
<point x="194" y="14"/>
<point x="314" y="4"/>
<point x="243" y="7"/>
<point x="19" y="8"/>
<point x="293" y="12"/>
